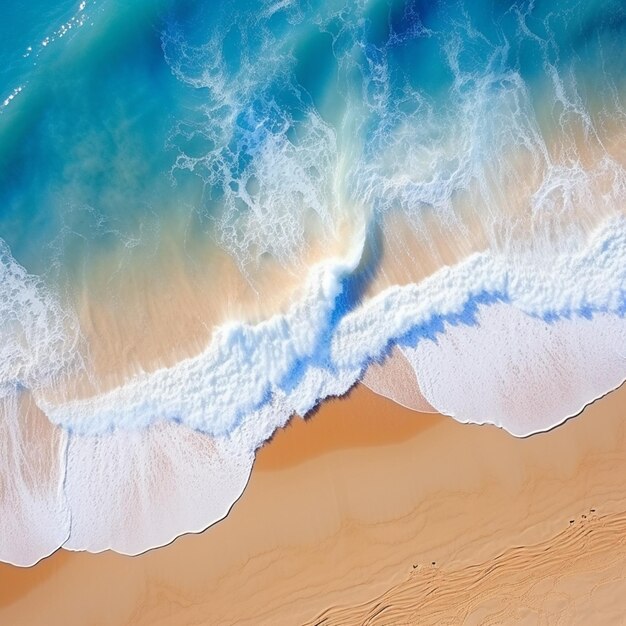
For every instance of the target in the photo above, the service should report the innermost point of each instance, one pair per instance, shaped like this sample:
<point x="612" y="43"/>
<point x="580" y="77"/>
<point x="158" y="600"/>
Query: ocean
<point x="216" y="215"/>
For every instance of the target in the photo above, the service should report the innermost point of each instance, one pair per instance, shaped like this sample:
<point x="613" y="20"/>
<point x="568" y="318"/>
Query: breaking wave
<point x="441" y="183"/>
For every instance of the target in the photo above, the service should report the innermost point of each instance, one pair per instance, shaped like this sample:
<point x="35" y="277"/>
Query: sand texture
<point x="577" y="576"/>
<point x="369" y="513"/>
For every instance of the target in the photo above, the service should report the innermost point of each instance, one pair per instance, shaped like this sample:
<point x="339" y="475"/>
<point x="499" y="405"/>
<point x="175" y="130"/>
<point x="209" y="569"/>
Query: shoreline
<point x="318" y="525"/>
<point x="313" y="314"/>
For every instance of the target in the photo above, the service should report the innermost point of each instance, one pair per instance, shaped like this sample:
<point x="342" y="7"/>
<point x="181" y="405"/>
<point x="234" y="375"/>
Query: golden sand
<point x="368" y="511"/>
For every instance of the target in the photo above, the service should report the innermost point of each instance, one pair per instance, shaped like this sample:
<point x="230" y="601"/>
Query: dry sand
<point x="371" y="513"/>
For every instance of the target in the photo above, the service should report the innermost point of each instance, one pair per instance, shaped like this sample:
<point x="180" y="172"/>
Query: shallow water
<point x="216" y="215"/>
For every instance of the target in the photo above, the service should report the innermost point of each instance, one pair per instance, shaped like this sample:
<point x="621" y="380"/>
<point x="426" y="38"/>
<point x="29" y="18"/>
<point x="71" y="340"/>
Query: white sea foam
<point x="520" y="372"/>
<point x="35" y="520"/>
<point x="170" y="451"/>
<point x="245" y="366"/>
<point x="259" y="376"/>
<point x="38" y="341"/>
<point x="241" y="369"/>
<point x="478" y="358"/>
<point x="131" y="491"/>
<point x="38" y="337"/>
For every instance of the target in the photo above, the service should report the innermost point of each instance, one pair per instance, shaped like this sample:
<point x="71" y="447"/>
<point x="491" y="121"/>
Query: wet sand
<point x="144" y="310"/>
<point x="369" y="511"/>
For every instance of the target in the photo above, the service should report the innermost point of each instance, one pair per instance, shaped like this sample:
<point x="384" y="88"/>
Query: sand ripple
<point x="539" y="584"/>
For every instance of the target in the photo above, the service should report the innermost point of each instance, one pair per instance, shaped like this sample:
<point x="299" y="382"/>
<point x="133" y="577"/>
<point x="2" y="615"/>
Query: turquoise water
<point x="148" y="108"/>
<point x="446" y="180"/>
<point x="83" y="154"/>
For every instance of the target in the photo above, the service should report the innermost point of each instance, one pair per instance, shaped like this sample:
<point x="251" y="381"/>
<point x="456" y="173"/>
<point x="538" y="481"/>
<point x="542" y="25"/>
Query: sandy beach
<point x="371" y="513"/>
<point x="254" y="256"/>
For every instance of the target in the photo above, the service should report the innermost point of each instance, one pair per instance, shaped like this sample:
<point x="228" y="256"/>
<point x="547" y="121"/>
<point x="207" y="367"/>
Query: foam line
<point x="246" y="366"/>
